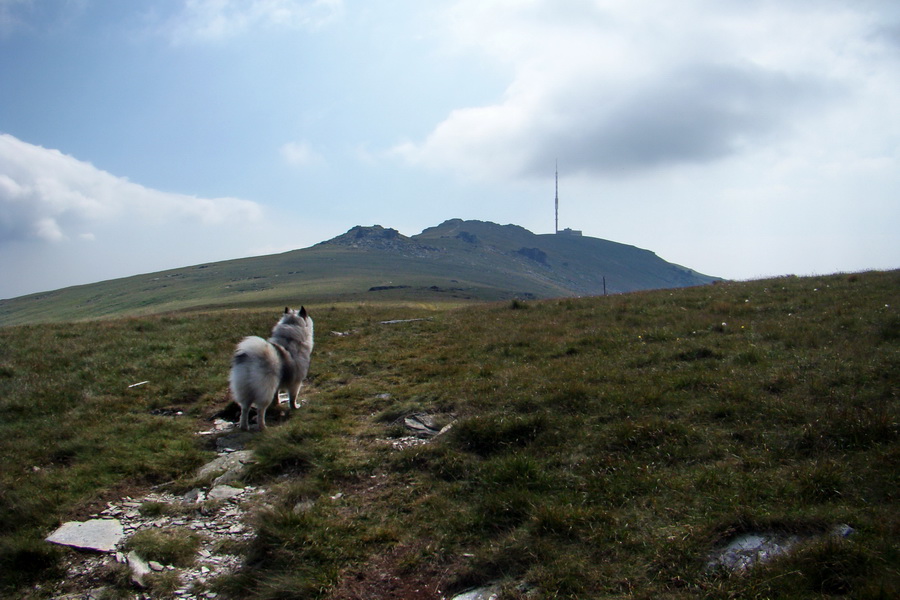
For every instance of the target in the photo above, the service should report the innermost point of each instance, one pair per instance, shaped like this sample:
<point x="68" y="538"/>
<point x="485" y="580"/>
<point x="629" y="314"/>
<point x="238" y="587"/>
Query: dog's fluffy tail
<point x="255" y="374"/>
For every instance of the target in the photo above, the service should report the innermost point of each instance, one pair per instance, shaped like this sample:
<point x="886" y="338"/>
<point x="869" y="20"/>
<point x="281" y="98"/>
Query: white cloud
<point x="615" y="88"/>
<point x="48" y="196"/>
<point x="300" y="154"/>
<point x="207" y="20"/>
<point x="48" y="229"/>
<point x="65" y="222"/>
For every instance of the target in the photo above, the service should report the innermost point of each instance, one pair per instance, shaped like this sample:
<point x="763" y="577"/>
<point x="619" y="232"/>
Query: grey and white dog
<point x="262" y="368"/>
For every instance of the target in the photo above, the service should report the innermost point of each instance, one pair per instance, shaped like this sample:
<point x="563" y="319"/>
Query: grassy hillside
<point x="600" y="448"/>
<point x="457" y="262"/>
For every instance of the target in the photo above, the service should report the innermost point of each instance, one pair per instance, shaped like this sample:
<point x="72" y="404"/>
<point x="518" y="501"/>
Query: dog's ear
<point x="287" y="310"/>
<point x="303" y="311"/>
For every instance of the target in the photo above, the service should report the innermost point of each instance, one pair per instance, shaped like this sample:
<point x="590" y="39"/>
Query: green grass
<point x="173" y="546"/>
<point x="601" y="448"/>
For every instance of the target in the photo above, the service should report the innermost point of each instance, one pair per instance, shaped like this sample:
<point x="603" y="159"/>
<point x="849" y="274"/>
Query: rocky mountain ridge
<point x="456" y="261"/>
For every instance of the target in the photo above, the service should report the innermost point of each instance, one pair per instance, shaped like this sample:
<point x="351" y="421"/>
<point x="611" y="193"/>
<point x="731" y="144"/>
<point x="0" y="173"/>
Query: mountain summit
<point x="455" y="261"/>
<point x="571" y="264"/>
<point x="478" y="259"/>
<point x="375" y="237"/>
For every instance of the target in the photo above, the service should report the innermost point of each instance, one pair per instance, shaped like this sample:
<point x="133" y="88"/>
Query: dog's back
<point x="293" y="336"/>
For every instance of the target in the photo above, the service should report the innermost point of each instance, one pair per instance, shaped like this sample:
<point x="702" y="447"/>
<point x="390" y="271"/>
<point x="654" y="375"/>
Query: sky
<point x="742" y="139"/>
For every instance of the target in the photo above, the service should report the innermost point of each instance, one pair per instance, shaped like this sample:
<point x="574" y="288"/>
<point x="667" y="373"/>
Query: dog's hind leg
<point x="261" y="416"/>
<point x="264" y="397"/>
<point x="245" y="418"/>
<point x="294" y="396"/>
<point x="239" y="394"/>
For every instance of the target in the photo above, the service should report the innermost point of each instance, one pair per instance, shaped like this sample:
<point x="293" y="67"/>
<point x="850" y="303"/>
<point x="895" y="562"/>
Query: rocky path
<point x="216" y="514"/>
<point x="101" y="562"/>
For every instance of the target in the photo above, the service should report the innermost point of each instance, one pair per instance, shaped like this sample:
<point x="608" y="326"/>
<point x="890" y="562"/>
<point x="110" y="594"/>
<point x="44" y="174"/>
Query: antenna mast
<point x="556" y="201"/>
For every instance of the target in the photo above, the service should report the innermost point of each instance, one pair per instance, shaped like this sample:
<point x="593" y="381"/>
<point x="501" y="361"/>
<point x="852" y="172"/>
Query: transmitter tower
<point x="556" y="201"/>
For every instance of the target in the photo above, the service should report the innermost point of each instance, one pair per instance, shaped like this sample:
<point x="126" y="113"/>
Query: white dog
<point x="261" y="368"/>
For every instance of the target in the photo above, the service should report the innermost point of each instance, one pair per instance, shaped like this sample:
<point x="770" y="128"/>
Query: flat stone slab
<point x="224" y="492"/>
<point x="101" y="535"/>
<point x="491" y="592"/>
<point x="395" y="321"/>
<point x="755" y="547"/>
<point x="422" y="425"/>
<point x="751" y="548"/>
<point x="226" y="462"/>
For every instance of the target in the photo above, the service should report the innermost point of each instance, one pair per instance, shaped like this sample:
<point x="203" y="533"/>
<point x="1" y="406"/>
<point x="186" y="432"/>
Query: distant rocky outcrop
<point x="377" y="237"/>
<point x="535" y="254"/>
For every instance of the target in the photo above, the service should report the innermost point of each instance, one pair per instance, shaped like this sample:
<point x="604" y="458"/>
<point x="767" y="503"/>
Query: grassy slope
<point x="602" y="445"/>
<point x="455" y="272"/>
<point x="318" y="276"/>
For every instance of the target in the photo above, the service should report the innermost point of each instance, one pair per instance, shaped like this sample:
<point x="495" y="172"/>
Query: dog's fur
<point x="262" y="368"/>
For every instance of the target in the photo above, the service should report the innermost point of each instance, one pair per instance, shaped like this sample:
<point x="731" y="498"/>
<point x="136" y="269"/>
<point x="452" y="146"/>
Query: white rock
<point x="223" y="492"/>
<point x="97" y="534"/>
<point x="139" y="569"/>
<point x="194" y="496"/>
<point x="226" y="462"/>
<point x="748" y="549"/>
<point x="491" y="592"/>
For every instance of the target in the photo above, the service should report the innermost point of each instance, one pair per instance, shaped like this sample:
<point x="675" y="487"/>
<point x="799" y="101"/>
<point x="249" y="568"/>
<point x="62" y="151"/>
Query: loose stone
<point x="97" y="534"/>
